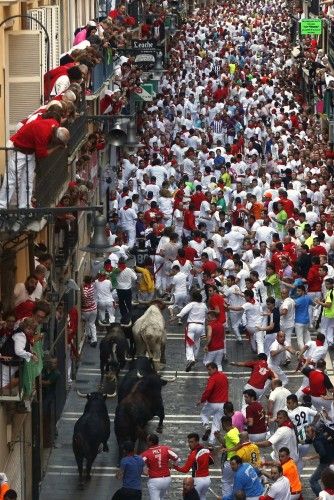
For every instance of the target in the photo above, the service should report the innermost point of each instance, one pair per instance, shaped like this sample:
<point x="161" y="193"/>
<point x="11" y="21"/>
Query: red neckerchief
<point x="108" y="268"/>
<point x="287" y="423"/>
<point x="251" y="301"/>
<point x="182" y="260"/>
<point x="126" y="207"/>
<point x="121" y="266"/>
<point x="101" y="277"/>
<point x="319" y="343"/>
<point x="198" y="239"/>
<point x="330" y="491"/>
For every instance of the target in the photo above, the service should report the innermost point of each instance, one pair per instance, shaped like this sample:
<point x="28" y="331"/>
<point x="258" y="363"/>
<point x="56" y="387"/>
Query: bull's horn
<point x="139" y="375"/>
<point x="110" y="395"/>
<point x="172" y="379"/>
<point x="81" y="394"/>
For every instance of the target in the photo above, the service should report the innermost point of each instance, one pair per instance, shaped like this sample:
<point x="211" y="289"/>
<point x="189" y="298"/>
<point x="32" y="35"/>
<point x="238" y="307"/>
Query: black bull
<point x="90" y="431"/>
<point x="139" y="407"/>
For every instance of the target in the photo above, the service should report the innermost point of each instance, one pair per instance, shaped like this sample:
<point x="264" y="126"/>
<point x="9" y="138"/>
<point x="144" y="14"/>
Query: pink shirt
<point x="80" y="37"/>
<point x="239" y="421"/>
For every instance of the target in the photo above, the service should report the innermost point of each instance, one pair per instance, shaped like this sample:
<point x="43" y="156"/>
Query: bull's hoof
<point x="159" y="429"/>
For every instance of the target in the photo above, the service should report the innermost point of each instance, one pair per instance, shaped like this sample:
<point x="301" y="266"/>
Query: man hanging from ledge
<point x="35" y="140"/>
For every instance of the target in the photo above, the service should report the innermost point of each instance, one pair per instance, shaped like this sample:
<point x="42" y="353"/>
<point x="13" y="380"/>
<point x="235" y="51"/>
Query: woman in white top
<point x="196" y="311"/>
<point x="22" y="340"/>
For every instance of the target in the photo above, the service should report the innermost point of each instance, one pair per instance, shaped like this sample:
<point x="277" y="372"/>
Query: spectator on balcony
<point x="46" y="260"/>
<point x="25" y="295"/>
<point x="36" y="140"/>
<point x="18" y="347"/>
<point x="7" y="324"/>
<point x="75" y="74"/>
<point x="81" y="33"/>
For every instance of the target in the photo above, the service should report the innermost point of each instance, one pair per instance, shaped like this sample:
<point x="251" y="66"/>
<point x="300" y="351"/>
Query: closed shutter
<point x="23" y="77"/>
<point x="52" y="24"/>
<point x="40" y="15"/>
<point x="15" y="466"/>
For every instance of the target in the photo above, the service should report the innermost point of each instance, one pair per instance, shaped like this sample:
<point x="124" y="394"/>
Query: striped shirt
<point x="88" y="302"/>
<point x="218" y="126"/>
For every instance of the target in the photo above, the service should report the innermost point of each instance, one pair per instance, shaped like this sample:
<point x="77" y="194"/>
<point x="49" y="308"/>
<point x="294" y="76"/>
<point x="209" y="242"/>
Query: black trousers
<point x="125" y="304"/>
<point x="127" y="494"/>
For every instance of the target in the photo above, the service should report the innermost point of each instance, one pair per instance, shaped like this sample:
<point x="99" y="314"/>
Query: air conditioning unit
<point x="49" y="17"/>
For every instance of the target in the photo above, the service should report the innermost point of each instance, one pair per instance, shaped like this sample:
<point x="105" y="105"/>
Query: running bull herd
<point x="142" y="346"/>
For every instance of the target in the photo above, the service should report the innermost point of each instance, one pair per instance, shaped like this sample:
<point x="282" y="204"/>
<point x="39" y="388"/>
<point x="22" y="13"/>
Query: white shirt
<point x="274" y="361"/>
<point x="103" y="291"/>
<point x="20" y="341"/>
<point x="285" y="437"/>
<point x="196" y="312"/>
<point x="315" y="352"/>
<point x="264" y="233"/>
<point x="179" y="281"/>
<point x="259" y="264"/>
<point x="234" y="240"/>
<point x="252" y="313"/>
<point x="302" y="416"/>
<point x="280" y="490"/>
<point x="278" y="397"/>
<point x="127" y="218"/>
<point x="288" y="320"/>
<point x="125" y="279"/>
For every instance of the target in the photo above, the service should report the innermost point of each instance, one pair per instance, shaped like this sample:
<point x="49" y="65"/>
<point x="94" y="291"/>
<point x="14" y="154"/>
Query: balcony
<point x="102" y="72"/>
<point x="14" y="390"/>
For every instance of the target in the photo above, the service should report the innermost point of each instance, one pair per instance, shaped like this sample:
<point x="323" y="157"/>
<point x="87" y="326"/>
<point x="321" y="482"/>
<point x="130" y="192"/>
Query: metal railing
<point x="11" y="382"/>
<point x="102" y="71"/>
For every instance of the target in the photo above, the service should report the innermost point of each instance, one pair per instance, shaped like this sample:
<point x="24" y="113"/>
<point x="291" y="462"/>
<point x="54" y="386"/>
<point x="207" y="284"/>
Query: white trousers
<point x="227" y="479"/>
<point x="216" y="411"/>
<point x="158" y="486"/>
<point x="302" y="334"/>
<point x="319" y="403"/>
<point x="257" y="339"/>
<point x="131" y="232"/>
<point x="202" y="485"/>
<point x="21" y="173"/>
<point x="160" y="277"/>
<point x="327" y="328"/>
<point x="195" y="331"/>
<point x="180" y="300"/>
<point x="234" y="320"/>
<point x="214" y="357"/>
<point x="104" y="306"/>
<point x="288" y="334"/>
<point x="268" y="340"/>
<point x="90" y="328"/>
<point x="280" y="373"/>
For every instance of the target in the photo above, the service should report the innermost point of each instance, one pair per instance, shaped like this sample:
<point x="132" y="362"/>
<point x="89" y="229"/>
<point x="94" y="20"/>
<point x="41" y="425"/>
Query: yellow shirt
<point x="231" y="439"/>
<point x="146" y="283"/>
<point x="250" y="453"/>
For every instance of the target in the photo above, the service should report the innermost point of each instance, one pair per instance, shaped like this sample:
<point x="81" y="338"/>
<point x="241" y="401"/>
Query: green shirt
<point x="282" y="217"/>
<point x="273" y="285"/>
<point x="231" y="439"/>
<point x="329" y="299"/>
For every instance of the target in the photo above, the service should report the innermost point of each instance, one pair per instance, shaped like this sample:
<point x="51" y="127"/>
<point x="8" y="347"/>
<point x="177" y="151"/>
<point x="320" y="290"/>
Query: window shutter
<point x="52" y="24"/>
<point x="40" y="15"/>
<point x="23" y="78"/>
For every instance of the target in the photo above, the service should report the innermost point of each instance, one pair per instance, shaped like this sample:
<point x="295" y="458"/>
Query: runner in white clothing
<point x="104" y="299"/>
<point x="179" y="288"/>
<point x="196" y="311"/>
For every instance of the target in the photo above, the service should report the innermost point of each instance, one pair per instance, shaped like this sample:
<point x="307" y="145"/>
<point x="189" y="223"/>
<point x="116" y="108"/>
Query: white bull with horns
<point x="149" y="334"/>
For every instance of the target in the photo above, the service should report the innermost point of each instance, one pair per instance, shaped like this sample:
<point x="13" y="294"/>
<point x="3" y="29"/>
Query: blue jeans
<point x="314" y="479"/>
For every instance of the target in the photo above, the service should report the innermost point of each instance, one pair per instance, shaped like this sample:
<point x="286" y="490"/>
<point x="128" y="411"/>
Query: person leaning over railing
<point x="35" y="140"/>
<point x="17" y="348"/>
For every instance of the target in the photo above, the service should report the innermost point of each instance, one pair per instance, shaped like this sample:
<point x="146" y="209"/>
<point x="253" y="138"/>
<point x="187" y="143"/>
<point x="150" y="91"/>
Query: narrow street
<point x="182" y="416"/>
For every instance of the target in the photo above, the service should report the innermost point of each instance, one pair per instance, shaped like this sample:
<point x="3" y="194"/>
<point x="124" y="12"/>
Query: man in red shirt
<point x="189" y="223"/>
<point x="255" y="416"/>
<point x="217" y="303"/>
<point x="319" y="385"/>
<point x="214" y="396"/>
<point x="199" y="460"/>
<point x="318" y="249"/>
<point x="197" y="198"/>
<point x="287" y="204"/>
<point x="215" y="341"/>
<point x="156" y="459"/>
<point x="261" y="374"/>
<point x="314" y="280"/>
<point x="36" y="139"/>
